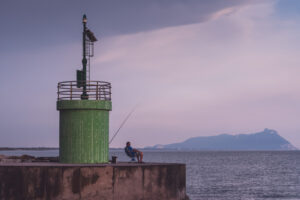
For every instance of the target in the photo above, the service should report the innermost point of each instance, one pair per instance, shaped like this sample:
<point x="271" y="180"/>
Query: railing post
<point x="71" y="85"/>
<point x="109" y="92"/>
<point x="97" y="91"/>
<point x="57" y="91"/>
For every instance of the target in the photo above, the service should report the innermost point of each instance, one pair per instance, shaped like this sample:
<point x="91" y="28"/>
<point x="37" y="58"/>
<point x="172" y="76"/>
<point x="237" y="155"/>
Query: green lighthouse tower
<point x="84" y="107"/>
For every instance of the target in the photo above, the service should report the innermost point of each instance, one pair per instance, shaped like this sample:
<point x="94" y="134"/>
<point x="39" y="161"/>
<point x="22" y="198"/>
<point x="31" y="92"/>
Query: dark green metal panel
<point x="80" y="78"/>
<point x="83" y="131"/>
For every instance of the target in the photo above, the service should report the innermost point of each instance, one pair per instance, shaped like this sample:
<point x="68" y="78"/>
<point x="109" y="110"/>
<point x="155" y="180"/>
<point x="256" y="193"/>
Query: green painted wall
<point x="83" y="131"/>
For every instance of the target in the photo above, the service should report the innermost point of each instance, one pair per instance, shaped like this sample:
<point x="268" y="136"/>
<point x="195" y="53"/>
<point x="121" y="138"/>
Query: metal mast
<point x="83" y="76"/>
<point x="84" y="60"/>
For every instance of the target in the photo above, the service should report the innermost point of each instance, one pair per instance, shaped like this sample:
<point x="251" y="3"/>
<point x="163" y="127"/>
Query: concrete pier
<point x="130" y="181"/>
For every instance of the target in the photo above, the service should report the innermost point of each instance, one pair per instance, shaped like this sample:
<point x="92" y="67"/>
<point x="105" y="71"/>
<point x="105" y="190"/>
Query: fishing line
<point x="122" y="124"/>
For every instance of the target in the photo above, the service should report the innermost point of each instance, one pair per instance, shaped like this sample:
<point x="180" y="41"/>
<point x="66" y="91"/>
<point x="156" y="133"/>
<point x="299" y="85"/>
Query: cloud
<point x="235" y="73"/>
<point x="218" y="67"/>
<point x="48" y="23"/>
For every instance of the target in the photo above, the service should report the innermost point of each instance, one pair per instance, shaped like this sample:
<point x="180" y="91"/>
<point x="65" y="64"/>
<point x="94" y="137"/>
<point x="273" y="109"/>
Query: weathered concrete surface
<point x="130" y="181"/>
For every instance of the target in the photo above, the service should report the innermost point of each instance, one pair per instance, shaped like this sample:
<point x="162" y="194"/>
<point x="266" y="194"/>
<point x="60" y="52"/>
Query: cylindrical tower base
<point x="83" y="131"/>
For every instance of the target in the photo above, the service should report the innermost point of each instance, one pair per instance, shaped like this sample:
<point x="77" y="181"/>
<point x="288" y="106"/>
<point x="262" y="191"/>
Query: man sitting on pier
<point x="132" y="153"/>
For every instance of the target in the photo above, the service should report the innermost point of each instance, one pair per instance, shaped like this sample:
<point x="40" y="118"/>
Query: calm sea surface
<point x="232" y="175"/>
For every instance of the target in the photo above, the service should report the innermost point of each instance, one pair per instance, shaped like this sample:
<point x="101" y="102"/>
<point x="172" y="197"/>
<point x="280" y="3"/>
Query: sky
<point x="194" y="68"/>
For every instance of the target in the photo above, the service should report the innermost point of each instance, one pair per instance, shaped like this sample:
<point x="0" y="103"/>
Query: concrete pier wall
<point x="93" y="181"/>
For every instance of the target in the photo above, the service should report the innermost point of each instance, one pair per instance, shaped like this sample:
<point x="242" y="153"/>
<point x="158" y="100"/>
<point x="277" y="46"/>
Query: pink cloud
<point x="225" y="75"/>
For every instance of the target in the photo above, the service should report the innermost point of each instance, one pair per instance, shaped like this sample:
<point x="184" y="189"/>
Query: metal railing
<point x="96" y="90"/>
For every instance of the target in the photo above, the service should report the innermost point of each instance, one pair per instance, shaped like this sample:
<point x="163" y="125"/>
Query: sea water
<point x="226" y="175"/>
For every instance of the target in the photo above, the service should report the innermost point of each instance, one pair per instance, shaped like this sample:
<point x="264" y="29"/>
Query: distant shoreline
<point x="28" y="148"/>
<point x="38" y="148"/>
<point x="143" y="149"/>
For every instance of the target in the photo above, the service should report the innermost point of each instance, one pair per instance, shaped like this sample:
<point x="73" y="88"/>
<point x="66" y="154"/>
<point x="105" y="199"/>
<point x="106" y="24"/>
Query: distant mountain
<point x="265" y="140"/>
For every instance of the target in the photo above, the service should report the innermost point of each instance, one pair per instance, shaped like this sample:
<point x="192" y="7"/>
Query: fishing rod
<point x="122" y="124"/>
